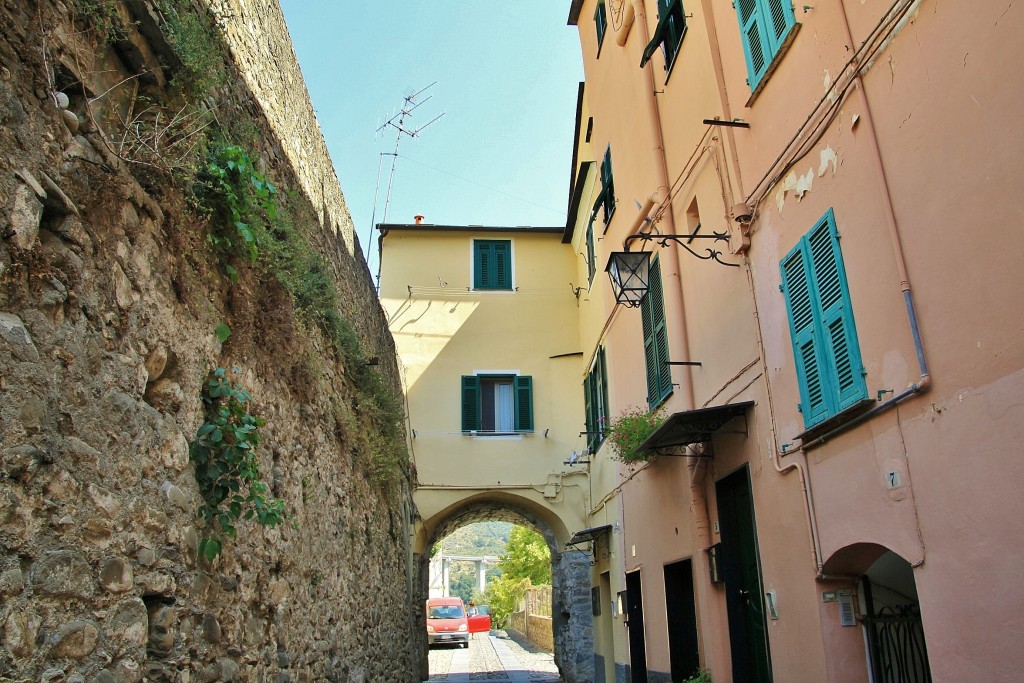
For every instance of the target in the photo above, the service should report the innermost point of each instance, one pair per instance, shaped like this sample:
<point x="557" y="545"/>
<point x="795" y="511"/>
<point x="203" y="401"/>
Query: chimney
<point x="418" y="218"/>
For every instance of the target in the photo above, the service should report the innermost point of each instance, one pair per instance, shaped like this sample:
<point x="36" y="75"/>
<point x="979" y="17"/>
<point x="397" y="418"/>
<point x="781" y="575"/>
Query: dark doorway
<point x="741" y="570"/>
<point x="682" y="620"/>
<point x="896" y="645"/>
<point x="635" y="623"/>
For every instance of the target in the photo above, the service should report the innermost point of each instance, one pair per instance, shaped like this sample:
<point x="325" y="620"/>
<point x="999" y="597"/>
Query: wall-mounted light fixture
<point x="629" y="271"/>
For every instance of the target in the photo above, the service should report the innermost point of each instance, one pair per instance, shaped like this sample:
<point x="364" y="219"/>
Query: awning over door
<point x="695" y="426"/>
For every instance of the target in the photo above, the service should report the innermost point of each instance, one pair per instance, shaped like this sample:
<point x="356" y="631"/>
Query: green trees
<point x="525" y="563"/>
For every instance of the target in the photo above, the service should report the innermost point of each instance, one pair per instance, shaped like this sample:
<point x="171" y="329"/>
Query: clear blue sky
<point x="507" y="76"/>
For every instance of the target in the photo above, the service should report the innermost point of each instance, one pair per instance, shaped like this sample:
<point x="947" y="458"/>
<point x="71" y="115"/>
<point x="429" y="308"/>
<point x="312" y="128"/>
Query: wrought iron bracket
<point x="664" y="240"/>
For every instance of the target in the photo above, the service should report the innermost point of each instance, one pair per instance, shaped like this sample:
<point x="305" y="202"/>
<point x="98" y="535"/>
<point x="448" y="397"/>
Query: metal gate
<point x="897" y="646"/>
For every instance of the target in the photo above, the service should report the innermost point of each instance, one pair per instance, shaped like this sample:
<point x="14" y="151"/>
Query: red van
<point x="446" y="621"/>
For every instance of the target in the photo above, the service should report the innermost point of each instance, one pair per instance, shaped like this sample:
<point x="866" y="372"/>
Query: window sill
<point x="497" y="436"/>
<point x="511" y="290"/>
<point x="776" y="60"/>
<point x="837" y="420"/>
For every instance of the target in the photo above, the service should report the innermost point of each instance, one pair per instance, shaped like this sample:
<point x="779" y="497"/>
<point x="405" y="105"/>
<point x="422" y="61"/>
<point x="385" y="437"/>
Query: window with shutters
<point x="492" y="264"/>
<point x="764" y="26"/>
<point x="669" y="33"/>
<point x="497" y="404"/>
<point x="601" y="23"/>
<point x="828" y="363"/>
<point x="595" y="399"/>
<point x="652" y="313"/>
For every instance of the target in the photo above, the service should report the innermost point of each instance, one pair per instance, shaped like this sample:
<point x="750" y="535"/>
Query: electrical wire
<point x="882" y="30"/>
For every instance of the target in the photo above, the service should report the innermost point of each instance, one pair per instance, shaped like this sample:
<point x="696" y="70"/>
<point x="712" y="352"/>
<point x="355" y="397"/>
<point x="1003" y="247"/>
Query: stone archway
<point x="571" y="610"/>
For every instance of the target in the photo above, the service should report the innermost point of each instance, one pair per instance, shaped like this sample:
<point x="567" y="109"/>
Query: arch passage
<point x="571" y="610"/>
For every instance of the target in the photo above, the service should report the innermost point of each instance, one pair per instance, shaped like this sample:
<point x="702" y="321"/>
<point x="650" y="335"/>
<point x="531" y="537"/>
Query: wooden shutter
<point x="801" y="311"/>
<point x="754" y="48"/>
<point x="502" y="265"/>
<point x="659" y="380"/>
<point x="779" y="17"/>
<point x="838" y="330"/>
<point x="524" y="403"/>
<point x="588" y="404"/>
<point x="602" y="414"/>
<point x="470" y="403"/>
<point x="483" y="265"/>
<point x="607" y="186"/>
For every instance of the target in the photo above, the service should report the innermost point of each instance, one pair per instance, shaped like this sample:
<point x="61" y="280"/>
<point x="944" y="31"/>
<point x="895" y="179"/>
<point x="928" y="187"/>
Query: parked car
<point x="447" y="622"/>
<point x="479" y="618"/>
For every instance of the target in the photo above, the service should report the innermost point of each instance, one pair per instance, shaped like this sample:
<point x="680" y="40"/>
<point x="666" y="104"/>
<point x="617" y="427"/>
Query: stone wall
<point x="109" y="299"/>
<point x="256" y="32"/>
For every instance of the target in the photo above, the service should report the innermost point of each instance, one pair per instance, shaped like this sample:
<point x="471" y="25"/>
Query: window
<point x="497" y="404"/>
<point x="764" y="25"/>
<point x="828" y="363"/>
<point x="601" y="22"/>
<point x="652" y="310"/>
<point x="492" y="264"/>
<point x="668" y="34"/>
<point x="591" y="252"/>
<point x="595" y="398"/>
<point x="606" y="198"/>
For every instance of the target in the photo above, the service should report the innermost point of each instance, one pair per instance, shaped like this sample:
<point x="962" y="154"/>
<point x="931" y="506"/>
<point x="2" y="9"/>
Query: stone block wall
<point x="109" y="301"/>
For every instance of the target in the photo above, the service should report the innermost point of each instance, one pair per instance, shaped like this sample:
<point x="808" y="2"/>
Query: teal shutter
<point x="804" y="334"/>
<point x="601" y="22"/>
<point x="524" y="403"/>
<point x="763" y="26"/>
<point x="828" y="362"/>
<point x="659" y="379"/>
<point x="839" y="331"/>
<point x="470" y="403"/>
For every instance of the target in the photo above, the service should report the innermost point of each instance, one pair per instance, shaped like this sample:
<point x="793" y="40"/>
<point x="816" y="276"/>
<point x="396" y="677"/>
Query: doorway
<point x="680" y="605"/>
<point x="741" y="569"/>
<point x="892" y="620"/>
<point x="635" y="626"/>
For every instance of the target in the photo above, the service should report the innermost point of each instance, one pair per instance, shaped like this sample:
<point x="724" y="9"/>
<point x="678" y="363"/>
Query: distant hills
<point x="479" y="539"/>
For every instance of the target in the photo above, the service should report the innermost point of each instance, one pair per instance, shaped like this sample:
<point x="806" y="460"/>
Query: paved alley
<point x="493" y="657"/>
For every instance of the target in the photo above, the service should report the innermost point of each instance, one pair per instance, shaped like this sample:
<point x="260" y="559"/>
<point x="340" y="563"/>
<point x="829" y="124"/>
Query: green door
<point x="748" y="637"/>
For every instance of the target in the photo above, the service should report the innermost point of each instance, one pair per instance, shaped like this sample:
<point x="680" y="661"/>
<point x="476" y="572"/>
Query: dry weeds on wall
<point x="153" y="232"/>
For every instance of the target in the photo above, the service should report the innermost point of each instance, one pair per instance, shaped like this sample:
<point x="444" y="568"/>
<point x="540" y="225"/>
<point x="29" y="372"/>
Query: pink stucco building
<point x="837" y="495"/>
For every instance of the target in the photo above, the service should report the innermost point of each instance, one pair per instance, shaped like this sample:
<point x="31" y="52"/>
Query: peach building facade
<point x="836" y="492"/>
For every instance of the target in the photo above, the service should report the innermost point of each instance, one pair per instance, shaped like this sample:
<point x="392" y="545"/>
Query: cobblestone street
<point x="493" y="657"/>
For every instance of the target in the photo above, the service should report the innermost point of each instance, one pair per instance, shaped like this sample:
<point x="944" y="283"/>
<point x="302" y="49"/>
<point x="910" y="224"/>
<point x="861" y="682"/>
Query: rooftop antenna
<point x="398" y="122"/>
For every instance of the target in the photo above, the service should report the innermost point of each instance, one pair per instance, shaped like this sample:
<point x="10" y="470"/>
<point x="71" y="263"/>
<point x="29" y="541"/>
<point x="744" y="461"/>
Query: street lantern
<point x="629" y="272"/>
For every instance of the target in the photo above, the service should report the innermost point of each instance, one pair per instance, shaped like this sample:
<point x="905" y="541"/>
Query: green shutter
<point x="602" y="417"/>
<point x="607" y="197"/>
<point x="840" y="334"/>
<point x="470" y="403"/>
<point x="492" y="264"/>
<point x="601" y="21"/>
<point x="524" y="403"/>
<point x="591" y="254"/>
<point x="482" y="264"/>
<point x="588" y="405"/>
<point x="659" y="379"/>
<point x="502" y="265"/>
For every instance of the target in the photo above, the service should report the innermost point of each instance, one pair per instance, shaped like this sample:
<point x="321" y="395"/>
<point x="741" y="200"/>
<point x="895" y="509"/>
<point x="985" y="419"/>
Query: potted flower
<point x="630" y="429"/>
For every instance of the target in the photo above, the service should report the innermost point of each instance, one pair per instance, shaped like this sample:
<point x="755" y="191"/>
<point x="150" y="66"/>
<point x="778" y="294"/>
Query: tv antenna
<point x="398" y="122"/>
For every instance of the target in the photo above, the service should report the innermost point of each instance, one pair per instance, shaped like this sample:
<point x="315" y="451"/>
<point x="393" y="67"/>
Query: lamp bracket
<point x="681" y="240"/>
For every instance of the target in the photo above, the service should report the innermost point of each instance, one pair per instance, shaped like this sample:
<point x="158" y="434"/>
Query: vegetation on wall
<point x="629" y="430"/>
<point x="227" y="468"/>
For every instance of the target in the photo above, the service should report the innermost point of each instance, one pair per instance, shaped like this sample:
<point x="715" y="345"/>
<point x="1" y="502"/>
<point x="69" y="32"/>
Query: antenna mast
<point x="398" y="122"/>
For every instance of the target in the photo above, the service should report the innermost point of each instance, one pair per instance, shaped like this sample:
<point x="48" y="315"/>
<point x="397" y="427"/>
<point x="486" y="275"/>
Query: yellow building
<point x="485" y="320"/>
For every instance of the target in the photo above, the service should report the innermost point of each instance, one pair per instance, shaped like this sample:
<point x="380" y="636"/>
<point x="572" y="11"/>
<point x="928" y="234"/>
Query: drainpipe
<point x="723" y="95"/>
